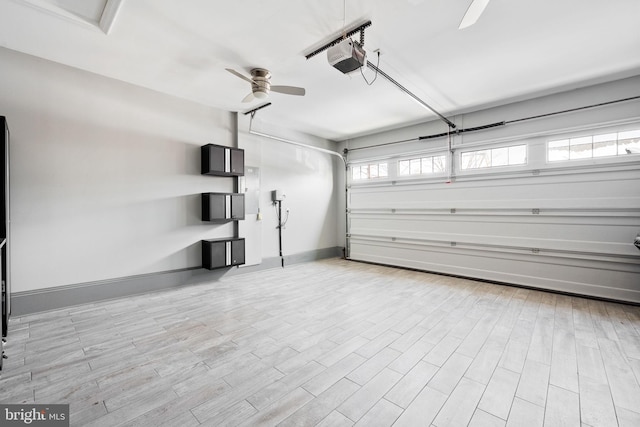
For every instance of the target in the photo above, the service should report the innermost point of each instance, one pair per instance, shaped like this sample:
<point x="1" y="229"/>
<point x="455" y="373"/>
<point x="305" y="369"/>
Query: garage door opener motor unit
<point x="347" y="56"/>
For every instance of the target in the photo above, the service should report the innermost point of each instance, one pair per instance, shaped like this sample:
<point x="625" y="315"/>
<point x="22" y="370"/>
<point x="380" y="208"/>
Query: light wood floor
<point x="333" y="343"/>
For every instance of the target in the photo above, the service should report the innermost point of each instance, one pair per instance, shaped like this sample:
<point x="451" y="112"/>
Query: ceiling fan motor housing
<point x="261" y="84"/>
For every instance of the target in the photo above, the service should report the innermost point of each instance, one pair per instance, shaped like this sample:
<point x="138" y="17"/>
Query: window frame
<point x="379" y="167"/>
<point x="594" y="139"/>
<point x="489" y="151"/>
<point x="409" y="162"/>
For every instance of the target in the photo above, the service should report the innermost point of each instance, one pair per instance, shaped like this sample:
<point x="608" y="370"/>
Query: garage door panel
<point x="570" y="232"/>
<point x="597" y="278"/>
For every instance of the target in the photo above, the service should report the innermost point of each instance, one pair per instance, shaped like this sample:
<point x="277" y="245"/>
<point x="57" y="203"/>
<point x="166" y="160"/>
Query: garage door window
<point x="494" y="157"/>
<point x="594" y="146"/>
<point x="371" y="171"/>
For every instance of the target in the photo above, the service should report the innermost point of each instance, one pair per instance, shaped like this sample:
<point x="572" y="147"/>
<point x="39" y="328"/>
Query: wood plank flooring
<point x="333" y="343"/>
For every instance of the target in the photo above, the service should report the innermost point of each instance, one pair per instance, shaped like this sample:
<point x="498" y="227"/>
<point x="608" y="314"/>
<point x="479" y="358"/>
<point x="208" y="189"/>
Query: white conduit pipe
<point x="288" y="141"/>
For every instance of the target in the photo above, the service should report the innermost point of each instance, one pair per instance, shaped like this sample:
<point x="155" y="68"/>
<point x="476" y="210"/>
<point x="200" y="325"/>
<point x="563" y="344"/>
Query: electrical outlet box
<point x="277" y="195"/>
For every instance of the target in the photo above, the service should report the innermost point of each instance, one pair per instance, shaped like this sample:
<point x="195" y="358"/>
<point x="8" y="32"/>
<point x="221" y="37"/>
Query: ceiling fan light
<point x="260" y="94"/>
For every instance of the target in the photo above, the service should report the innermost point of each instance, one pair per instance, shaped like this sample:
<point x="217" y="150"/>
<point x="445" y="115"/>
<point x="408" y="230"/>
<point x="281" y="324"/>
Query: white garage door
<point x="557" y="212"/>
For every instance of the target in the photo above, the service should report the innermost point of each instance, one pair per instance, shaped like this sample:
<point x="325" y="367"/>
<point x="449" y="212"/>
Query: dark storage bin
<point x="220" y="253"/>
<point x="219" y="160"/>
<point x="222" y="207"/>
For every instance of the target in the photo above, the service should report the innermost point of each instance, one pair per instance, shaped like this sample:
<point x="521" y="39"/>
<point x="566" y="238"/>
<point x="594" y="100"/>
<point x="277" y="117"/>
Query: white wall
<point x="105" y="178"/>
<point x="310" y="180"/>
<point x="484" y="224"/>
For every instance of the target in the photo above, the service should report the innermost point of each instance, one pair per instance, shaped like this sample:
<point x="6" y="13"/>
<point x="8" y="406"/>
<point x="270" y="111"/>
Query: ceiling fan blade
<point x="235" y="73"/>
<point x="249" y="97"/>
<point x="473" y="13"/>
<point x="289" y="90"/>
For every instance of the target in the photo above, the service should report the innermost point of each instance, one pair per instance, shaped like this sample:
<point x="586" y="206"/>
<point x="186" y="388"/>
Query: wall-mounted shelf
<point x="220" y="253"/>
<point x="222" y="207"/>
<point x="219" y="160"/>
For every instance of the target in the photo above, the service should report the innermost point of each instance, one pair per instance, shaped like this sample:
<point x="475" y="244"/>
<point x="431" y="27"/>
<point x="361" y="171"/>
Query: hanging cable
<point x="362" y="73"/>
<point x="281" y="223"/>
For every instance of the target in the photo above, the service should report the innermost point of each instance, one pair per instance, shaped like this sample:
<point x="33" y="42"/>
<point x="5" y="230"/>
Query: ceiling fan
<point x="261" y="85"/>
<point x="473" y="13"/>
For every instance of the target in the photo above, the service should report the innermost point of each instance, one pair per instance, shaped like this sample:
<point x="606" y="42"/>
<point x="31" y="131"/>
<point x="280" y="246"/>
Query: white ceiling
<point x="518" y="49"/>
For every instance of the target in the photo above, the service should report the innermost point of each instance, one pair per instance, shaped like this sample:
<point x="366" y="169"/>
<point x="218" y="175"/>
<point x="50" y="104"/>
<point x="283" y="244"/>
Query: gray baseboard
<point x="29" y="302"/>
